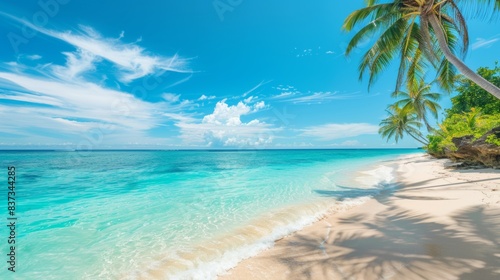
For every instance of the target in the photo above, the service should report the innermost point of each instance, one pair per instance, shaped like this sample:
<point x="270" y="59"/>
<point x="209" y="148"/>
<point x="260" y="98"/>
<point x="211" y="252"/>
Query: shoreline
<point x="437" y="223"/>
<point x="359" y="183"/>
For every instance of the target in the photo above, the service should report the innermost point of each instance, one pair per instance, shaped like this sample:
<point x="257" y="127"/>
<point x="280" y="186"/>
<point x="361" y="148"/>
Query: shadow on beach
<point x="395" y="243"/>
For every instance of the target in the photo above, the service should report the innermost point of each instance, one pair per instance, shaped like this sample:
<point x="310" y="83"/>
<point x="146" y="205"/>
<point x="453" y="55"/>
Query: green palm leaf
<point x="420" y="33"/>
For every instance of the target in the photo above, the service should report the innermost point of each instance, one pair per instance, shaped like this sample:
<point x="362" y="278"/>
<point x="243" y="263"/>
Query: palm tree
<point x="471" y="118"/>
<point x="421" y="100"/>
<point x="400" y="122"/>
<point x="420" y="32"/>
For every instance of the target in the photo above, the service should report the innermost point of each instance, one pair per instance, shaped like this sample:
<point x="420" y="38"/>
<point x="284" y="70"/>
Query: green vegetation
<point x="474" y="123"/>
<point x="399" y="122"/>
<point x="407" y="114"/>
<point x="419" y="100"/>
<point x="474" y="112"/>
<point x="472" y="96"/>
<point x="418" y="33"/>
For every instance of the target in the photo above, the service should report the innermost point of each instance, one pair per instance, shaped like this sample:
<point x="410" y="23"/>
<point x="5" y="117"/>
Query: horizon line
<point x="200" y="149"/>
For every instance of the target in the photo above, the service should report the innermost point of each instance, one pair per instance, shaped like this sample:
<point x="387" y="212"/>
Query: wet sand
<point x="439" y="223"/>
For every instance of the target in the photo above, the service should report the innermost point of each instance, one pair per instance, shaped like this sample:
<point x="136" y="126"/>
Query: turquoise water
<point x="168" y="214"/>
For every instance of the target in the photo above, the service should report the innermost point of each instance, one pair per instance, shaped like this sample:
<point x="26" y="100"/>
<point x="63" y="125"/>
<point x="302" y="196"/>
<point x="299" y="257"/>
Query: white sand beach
<point x="441" y="223"/>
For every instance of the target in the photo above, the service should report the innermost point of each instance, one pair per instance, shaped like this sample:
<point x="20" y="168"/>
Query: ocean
<point x="172" y="214"/>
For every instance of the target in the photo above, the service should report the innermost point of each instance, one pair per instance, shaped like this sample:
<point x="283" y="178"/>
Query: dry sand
<point x="441" y="223"/>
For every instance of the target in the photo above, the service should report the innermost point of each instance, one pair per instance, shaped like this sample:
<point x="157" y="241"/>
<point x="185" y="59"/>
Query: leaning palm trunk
<point x="427" y="125"/>
<point x="476" y="78"/>
<point x="416" y="138"/>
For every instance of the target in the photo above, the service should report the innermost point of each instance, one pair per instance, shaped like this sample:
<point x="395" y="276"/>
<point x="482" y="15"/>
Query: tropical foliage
<point x="474" y="112"/>
<point x="472" y="96"/>
<point x="401" y="121"/>
<point x="474" y="123"/>
<point x="421" y="100"/>
<point x="418" y="33"/>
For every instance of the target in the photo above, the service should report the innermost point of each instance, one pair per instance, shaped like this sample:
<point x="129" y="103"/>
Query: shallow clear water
<point x="156" y="214"/>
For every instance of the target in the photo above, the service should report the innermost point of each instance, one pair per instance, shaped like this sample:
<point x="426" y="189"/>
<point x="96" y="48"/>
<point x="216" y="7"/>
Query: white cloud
<point x="259" y="105"/>
<point x="333" y="131"/>
<point x="131" y="60"/>
<point x="76" y="64"/>
<point x="86" y="100"/>
<point x="283" y="95"/>
<point x="72" y="112"/>
<point x="290" y="94"/>
<point x="34" y="57"/>
<point x="170" y="97"/>
<point x="255" y="88"/>
<point x="320" y="97"/>
<point x="204" y="97"/>
<point x="227" y="115"/>
<point x="485" y="43"/>
<point x="59" y="103"/>
<point x="224" y="127"/>
<point x="249" y="99"/>
<point x="285" y="88"/>
<point x="180" y="117"/>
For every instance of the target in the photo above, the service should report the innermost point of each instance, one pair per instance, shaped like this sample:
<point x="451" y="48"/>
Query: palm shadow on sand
<point x="397" y="243"/>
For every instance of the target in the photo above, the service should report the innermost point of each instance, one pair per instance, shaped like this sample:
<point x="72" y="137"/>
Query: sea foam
<point x="371" y="181"/>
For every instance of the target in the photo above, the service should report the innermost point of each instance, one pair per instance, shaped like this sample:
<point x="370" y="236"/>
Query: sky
<point x="193" y="74"/>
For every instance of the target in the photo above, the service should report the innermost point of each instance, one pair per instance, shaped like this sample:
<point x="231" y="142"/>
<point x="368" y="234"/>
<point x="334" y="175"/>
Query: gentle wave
<point x="372" y="181"/>
<point x="157" y="215"/>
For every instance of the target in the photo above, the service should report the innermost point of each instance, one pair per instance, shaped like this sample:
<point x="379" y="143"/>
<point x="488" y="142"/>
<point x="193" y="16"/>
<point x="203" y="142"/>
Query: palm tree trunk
<point x="414" y="137"/>
<point x="427" y="125"/>
<point x="473" y="76"/>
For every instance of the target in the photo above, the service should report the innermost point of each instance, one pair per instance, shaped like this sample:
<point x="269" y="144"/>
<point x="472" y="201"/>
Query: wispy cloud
<point x="284" y="95"/>
<point x="485" y="43"/>
<point x="254" y="88"/>
<point x="131" y="60"/>
<point x="34" y="57"/>
<point x="310" y="52"/>
<point x="171" y="97"/>
<point x="76" y="64"/>
<point x="205" y="97"/>
<point x="333" y="131"/>
<point x="297" y="97"/>
<point x="317" y="97"/>
<point x="84" y="101"/>
<point x="52" y="111"/>
<point x="61" y="103"/>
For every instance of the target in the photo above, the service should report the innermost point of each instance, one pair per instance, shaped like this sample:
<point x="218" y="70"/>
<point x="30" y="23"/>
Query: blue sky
<point x="192" y="74"/>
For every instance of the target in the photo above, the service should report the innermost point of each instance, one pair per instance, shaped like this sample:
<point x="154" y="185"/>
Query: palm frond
<point x="372" y="11"/>
<point x="446" y="74"/>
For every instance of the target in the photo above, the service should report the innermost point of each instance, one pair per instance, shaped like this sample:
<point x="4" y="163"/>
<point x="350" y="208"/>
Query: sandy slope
<point x="441" y="224"/>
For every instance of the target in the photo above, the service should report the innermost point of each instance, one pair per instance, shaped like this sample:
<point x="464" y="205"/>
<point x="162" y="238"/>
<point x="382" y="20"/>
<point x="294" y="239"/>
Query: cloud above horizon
<point x="224" y="127"/>
<point x="291" y="95"/>
<point x="51" y="101"/>
<point x="485" y="43"/>
<point x="131" y="60"/>
<point x="129" y="84"/>
<point x="332" y="131"/>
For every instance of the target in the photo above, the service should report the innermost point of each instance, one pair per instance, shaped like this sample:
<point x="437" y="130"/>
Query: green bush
<point x="474" y="112"/>
<point x="458" y="125"/>
<point x="493" y="139"/>
<point x="471" y="95"/>
<point x="435" y="146"/>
